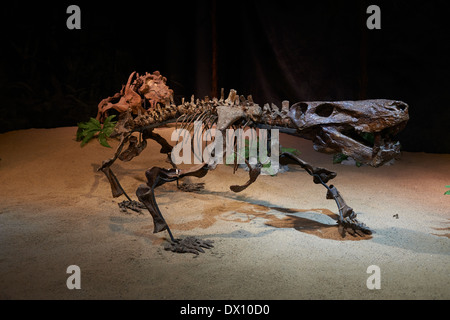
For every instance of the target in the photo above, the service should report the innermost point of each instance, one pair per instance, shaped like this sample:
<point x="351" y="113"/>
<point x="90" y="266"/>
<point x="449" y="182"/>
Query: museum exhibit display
<point x="225" y="156"/>
<point x="322" y="122"/>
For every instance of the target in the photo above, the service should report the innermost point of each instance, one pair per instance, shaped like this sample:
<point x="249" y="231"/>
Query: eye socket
<point x="402" y="106"/>
<point x="303" y="107"/>
<point x="299" y="109"/>
<point x="397" y="105"/>
<point x="324" y="110"/>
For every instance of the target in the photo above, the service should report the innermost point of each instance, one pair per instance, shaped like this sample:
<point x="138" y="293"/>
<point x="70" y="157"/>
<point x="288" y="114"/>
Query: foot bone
<point x="189" y="245"/>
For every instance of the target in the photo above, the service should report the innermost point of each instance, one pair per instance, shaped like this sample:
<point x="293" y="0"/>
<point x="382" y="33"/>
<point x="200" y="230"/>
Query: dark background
<point x="275" y="50"/>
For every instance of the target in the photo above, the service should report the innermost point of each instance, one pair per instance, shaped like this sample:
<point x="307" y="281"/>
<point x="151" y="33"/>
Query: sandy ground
<point x="275" y="240"/>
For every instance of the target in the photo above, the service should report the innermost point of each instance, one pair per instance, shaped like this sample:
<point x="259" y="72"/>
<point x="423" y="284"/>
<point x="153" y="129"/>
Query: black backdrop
<point x="275" y="50"/>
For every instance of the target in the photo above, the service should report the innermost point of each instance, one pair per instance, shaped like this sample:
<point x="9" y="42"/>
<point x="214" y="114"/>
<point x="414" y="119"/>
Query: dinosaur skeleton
<point x="146" y="102"/>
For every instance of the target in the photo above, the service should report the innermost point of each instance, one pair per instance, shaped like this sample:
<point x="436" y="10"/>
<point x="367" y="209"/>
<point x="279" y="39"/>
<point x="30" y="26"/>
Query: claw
<point x="189" y="245"/>
<point x="132" y="205"/>
<point x="353" y="227"/>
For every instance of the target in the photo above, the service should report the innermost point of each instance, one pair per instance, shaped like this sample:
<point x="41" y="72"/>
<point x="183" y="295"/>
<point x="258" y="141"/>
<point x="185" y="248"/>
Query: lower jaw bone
<point x="375" y="157"/>
<point x="386" y="153"/>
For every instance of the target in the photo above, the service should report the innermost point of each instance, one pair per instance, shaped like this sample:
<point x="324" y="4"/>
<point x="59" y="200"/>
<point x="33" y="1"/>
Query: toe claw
<point x="136" y="206"/>
<point x="351" y="231"/>
<point x="353" y="227"/>
<point x="189" y="245"/>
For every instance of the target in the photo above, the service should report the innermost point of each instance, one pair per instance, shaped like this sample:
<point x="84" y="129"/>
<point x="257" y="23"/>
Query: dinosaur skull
<point x="362" y="129"/>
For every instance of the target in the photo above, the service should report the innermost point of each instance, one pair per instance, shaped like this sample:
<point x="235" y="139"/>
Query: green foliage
<point x="339" y="157"/>
<point x="230" y="158"/>
<point x="88" y="130"/>
<point x="290" y="150"/>
<point x="448" y="191"/>
<point x="368" y="136"/>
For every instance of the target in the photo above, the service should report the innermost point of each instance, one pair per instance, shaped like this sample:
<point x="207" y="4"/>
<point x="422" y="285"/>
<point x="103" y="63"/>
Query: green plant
<point x="267" y="165"/>
<point x="448" y="191"/>
<point x="88" y="130"/>
<point x="290" y="150"/>
<point x="339" y="157"/>
<point x="368" y="136"/>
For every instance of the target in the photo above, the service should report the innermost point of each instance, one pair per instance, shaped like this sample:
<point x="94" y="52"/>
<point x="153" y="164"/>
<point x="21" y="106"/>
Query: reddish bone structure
<point x="146" y="103"/>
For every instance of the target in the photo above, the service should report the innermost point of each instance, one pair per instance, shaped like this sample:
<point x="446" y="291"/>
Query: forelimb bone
<point x="347" y="217"/>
